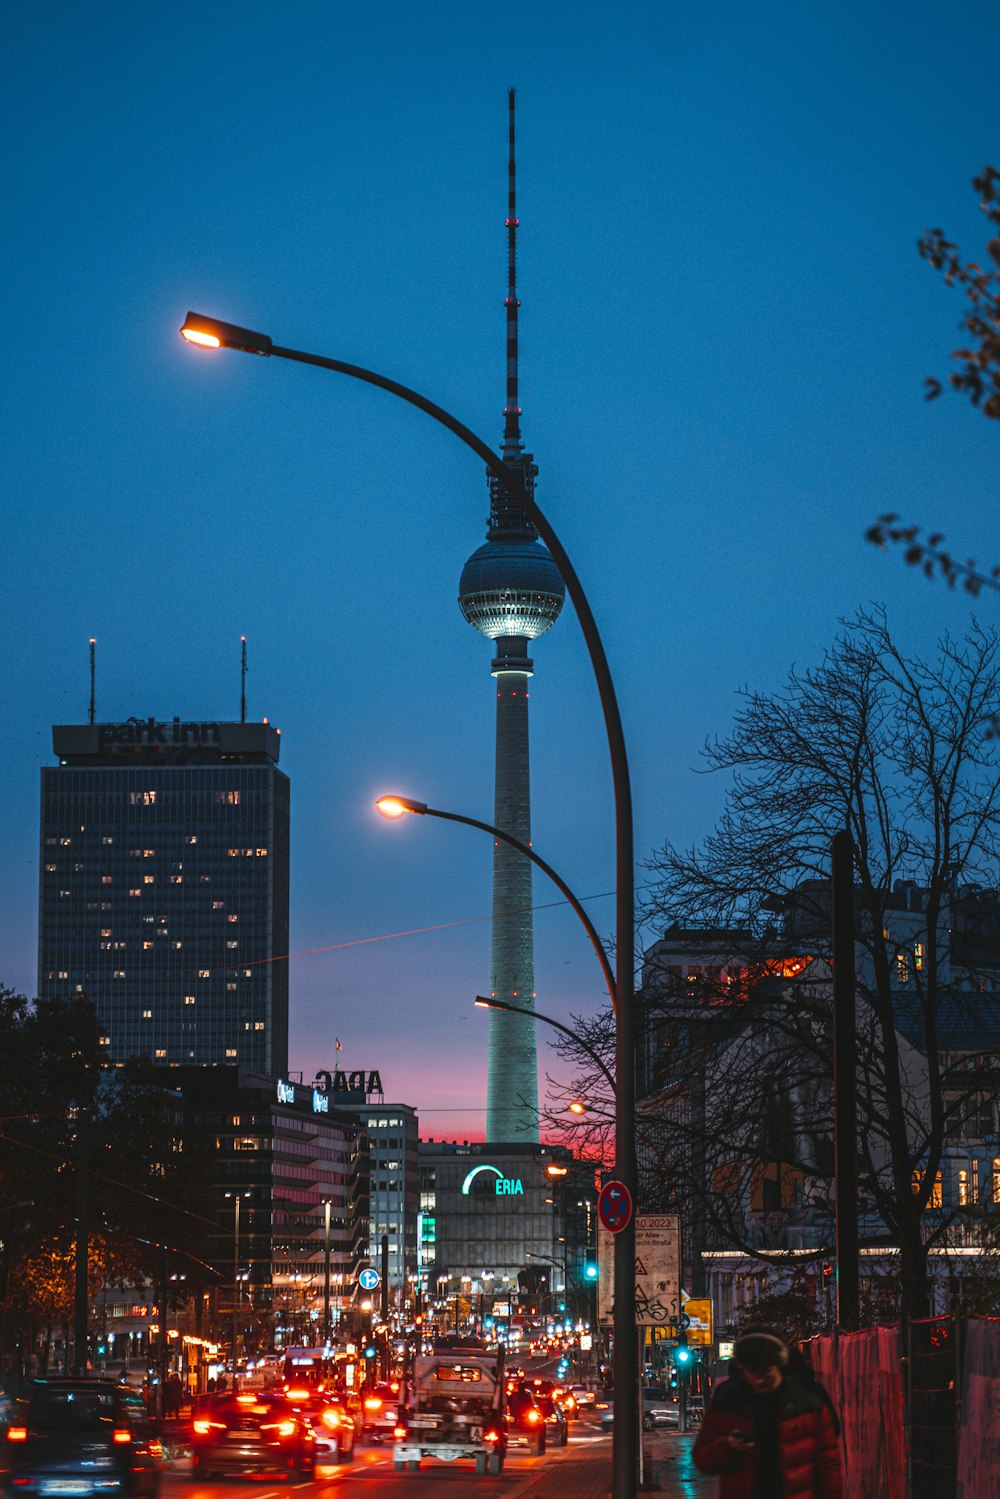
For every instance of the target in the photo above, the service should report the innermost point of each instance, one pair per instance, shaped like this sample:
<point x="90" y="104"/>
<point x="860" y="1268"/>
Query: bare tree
<point x="736" y="1122"/>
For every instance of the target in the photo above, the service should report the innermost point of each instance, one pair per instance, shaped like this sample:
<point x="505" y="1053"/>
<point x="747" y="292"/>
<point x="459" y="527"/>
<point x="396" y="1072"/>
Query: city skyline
<point x="729" y="332"/>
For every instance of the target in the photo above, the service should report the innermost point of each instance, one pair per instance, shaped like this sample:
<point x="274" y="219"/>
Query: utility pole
<point x="327" y="1330"/>
<point x="384" y="1306"/>
<point x="82" y="1237"/>
<point x="845" y="1079"/>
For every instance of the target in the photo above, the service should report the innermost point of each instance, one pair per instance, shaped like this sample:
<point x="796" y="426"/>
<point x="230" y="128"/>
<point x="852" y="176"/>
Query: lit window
<point x="204" y="973"/>
<point x="105" y="879"/>
<point x="65" y="842"/>
<point x="258" y="1025"/>
<point x="232" y="943"/>
<point x="261" y="853"/>
<point x="963" y="1189"/>
<point x="135" y="892"/>
<point x="228" y="798"/>
<point x="996" y="1178"/>
<point x="62" y="974"/>
<point x="149" y="879"/>
<point x="217" y="905"/>
<point x="230" y="1051"/>
<point x="232" y="918"/>
<point x="903" y="967"/>
<point x="146" y="946"/>
<point x="142" y="798"/>
<point x="119" y="973"/>
<point x="106" y="840"/>
<point x="975" y="1181"/>
<point x="191" y="839"/>
<point x="78" y="868"/>
<point x="50" y="869"/>
<point x="161" y="1051"/>
<point x="918" y="955"/>
<point x="176" y="879"/>
<point x="189" y="999"/>
<point x="230" y="986"/>
<point x="63" y="894"/>
<point x="247" y="973"/>
<point x="936" y="1198"/>
<point x="147" y="1014"/>
<point x="105" y="1040"/>
<point x="105" y="931"/>
<point x="177" y="943"/>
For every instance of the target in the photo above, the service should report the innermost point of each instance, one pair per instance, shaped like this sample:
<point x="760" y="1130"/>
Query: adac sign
<point x="350" y="1082"/>
<point x="503" y="1186"/>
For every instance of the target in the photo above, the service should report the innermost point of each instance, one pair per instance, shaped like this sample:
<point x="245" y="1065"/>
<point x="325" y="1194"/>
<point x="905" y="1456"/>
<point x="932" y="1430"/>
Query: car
<point x="379" y="1410"/>
<point x="252" y="1431"/>
<point x="658" y="1409"/>
<point x="81" y="1438"/>
<point x="560" y="1393"/>
<point x="556" y="1422"/>
<point x="582" y="1396"/>
<point x="332" y="1424"/>
<point x="525" y="1423"/>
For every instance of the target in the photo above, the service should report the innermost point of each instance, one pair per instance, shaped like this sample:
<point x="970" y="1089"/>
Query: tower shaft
<point x="512" y="1092"/>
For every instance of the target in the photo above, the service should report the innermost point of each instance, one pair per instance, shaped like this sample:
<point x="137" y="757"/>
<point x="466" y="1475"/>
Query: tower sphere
<point x="511" y="588"/>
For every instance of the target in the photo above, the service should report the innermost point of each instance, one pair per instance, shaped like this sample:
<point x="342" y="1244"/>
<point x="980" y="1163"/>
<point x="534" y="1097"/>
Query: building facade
<point x="282" y="1153"/>
<point x="508" y="1225"/>
<point x="393" y="1141"/>
<point x="164" y="888"/>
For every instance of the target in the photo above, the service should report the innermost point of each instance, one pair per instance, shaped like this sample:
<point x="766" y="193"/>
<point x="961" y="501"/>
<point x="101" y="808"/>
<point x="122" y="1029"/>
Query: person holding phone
<point x="767" y="1433"/>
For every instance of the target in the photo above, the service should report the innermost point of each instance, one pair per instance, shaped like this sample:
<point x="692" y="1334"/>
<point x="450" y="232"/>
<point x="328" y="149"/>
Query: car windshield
<point x="72" y="1410"/>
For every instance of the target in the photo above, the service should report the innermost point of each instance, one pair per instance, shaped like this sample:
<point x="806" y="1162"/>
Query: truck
<point x="453" y="1405"/>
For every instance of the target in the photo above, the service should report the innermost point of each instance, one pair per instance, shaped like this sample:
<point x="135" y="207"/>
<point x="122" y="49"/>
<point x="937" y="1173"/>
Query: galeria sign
<point x="504" y="1186"/>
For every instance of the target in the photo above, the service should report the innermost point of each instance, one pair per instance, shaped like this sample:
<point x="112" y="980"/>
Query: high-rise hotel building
<point x="164" y="888"/>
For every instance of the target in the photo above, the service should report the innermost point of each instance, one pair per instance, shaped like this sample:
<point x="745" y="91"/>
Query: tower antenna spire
<point x="512" y="412"/>
<point x="243" y="679"/>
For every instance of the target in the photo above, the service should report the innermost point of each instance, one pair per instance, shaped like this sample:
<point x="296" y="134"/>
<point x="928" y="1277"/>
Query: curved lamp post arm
<point x="390" y="806"/>
<point x="501" y="1004"/>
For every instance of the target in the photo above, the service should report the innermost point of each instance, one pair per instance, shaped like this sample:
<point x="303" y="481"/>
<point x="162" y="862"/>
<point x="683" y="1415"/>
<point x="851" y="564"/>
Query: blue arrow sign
<point x="369" y="1279"/>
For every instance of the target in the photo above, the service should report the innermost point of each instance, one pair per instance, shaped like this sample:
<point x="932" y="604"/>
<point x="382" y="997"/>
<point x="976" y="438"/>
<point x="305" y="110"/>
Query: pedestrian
<point x="766" y="1433"/>
<point x="172" y="1396"/>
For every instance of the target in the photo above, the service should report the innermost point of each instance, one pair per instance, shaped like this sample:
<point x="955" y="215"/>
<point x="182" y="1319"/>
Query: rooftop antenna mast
<point x="507" y="519"/>
<point x="93" y="644"/>
<point x="512" y="412"/>
<point x="243" y="679"/>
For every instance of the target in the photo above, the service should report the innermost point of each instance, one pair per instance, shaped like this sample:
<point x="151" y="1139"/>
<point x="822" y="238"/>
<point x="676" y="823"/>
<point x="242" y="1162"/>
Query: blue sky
<point x="725" y="332"/>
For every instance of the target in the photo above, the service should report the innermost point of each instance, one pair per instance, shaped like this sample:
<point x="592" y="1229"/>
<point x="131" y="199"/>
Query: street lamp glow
<point x="396" y="806"/>
<point x="212" y="333"/>
<point x="576" y="1107"/>
<point x="204" y="340"/>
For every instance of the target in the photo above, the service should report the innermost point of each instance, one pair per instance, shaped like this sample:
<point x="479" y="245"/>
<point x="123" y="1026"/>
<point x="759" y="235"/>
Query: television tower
<point x="511" y="592"/>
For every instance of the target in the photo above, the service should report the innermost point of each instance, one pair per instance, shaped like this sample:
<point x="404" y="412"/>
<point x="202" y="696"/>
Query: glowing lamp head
<point x="576" y="1107"/>
<point x="397" y="806"/>
<point x="212" y="333"/>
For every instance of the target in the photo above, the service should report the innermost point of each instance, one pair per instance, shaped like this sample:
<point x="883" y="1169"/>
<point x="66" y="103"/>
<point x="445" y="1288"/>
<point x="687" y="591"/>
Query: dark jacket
<point x="807" y="1442"/>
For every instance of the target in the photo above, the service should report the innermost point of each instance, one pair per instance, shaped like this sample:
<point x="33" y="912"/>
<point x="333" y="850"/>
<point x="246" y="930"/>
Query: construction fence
<point x="920" y="1407"/>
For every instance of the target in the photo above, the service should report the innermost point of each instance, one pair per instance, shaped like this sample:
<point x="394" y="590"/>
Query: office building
<point x="164" y="888"/>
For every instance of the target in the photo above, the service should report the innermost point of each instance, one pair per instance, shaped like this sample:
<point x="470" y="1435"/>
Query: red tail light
<point x="331" y="1419"/>
<point x="17" y="1433"/>
<point x="203" y="1427"/>
<point x="399" y="1432"/>
<point x="283" y="1428"/>
<point x="493" y="1436"/>
<point x="121" y="1435"/>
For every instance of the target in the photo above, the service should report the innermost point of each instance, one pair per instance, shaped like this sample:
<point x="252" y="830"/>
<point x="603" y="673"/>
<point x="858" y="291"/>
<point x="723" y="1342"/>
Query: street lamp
<point x="212" y="333"/>
<point x="237" y="1288"/>
<point x="483" y="1002"/>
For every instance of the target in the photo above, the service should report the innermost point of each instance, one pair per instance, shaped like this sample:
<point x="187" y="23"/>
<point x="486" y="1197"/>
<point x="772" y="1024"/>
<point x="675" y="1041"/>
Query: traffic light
<point x="369" y="1352"/>
<point x="590" y="1271"/>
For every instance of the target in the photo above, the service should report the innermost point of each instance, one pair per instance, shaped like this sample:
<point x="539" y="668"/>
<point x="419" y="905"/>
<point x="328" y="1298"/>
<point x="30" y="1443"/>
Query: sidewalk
<point x="586" y="1475"/>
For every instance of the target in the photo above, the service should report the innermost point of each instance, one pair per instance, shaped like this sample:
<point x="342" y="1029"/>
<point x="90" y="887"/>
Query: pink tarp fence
<point x="979" y="1430"/>
<point x="862" y="1372"/>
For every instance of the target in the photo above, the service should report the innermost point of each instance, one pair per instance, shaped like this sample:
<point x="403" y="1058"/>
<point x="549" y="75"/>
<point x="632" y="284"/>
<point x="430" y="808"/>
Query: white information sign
<point x="657" y="1269"/>
<point x="658" y="1293"/>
